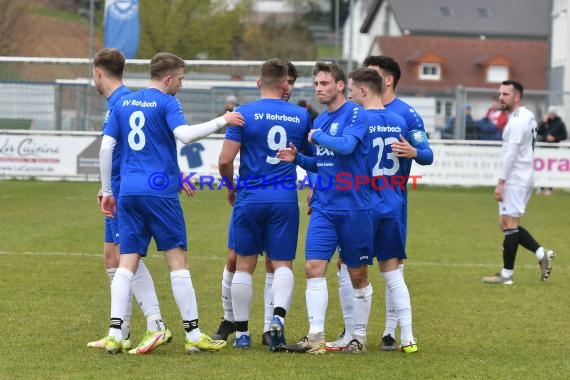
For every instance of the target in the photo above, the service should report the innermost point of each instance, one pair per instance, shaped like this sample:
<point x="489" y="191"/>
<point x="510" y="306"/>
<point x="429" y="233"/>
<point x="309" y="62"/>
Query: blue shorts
<point x="269" y="227"/>
<point x="389" y="239"/>
<point x="142" y="218"/>
<point x="112" y="230"/>
<point x="350" y="231"/>
<point x="231" y="242"/>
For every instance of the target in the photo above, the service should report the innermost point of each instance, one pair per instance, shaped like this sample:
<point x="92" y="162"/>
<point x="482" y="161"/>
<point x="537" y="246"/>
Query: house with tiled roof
<point x="457" y="51"/>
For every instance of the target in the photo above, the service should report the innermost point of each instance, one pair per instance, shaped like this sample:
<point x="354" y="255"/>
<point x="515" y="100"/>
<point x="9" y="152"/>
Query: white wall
<point x="560" y="49"/>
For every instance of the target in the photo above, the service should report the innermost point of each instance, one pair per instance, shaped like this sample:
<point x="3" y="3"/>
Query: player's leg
<point x="227" y="326"/>
<point x="345" y="293"/>
<point x="281" y="241"/>
<point x="111" y="261"/>
<point x="169" y="231"/>
<point x="249" y="233"/>
<point x="390" y="251"/>
<point x="144" y="291"/>
<point x="120" y="293"/>
<point x="268" y="304"/>
<point x="543" y="256"/>
<point x="320" y="245"/>
<point x="356" y="232"/>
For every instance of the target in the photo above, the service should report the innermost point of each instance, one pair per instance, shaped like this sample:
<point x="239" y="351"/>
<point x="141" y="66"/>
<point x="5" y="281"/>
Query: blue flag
<point x="122" y="26"/>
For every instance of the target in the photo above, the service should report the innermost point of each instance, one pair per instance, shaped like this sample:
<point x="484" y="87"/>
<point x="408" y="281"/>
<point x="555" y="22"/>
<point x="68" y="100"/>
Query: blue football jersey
<point x="414" y="122"/>
<point x="335" y="187"/>
<point x="115" y="172"/>
<point x="270" y="124"/>
<point x="388" y="186"/>
<point x="143" y="123"/>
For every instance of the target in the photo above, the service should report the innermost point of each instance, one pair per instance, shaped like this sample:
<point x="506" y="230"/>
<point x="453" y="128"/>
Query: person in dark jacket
<point x="552" y="130"/>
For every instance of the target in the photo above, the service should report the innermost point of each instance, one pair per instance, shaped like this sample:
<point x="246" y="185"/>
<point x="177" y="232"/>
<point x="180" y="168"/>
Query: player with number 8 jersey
<point x="146" y="123"/>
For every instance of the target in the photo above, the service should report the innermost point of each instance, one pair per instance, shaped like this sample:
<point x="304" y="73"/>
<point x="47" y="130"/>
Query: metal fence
<point x="59" y="94"/>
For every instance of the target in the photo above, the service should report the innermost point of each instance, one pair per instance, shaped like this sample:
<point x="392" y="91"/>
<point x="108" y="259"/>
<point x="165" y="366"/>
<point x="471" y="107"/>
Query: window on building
<point x="497" y="74"/>
<point x="484" y="12"/>
<point x="430" y="71"/>
<point x="449" y="109"/>
<point x="445" y="11"/>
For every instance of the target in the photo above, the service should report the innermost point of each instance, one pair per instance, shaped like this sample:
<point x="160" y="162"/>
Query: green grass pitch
<point x="55" y="294"/>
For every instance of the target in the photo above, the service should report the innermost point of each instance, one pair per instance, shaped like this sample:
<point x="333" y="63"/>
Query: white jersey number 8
<point x="136" y="122"/>
<point x="276" y="139"/>
<point x="381" y="143"/>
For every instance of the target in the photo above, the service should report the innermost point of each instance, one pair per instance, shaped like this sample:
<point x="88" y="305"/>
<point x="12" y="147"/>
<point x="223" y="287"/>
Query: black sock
<point x="242" y="326"/>
<point x="280" y="312"/>
<point x="116" y="323"/>
<point x="527" y="241"/>
<point x="190" y="325"/>
<point x="510" y="245"/>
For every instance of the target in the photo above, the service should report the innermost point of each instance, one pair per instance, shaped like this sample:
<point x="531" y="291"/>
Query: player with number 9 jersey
<point x="270" y="124"/>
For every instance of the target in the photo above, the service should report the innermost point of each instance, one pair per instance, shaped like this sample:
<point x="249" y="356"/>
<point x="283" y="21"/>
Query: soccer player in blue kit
<point x="388" y="196"/>
<point x="341" y="215"/>
<point x="266" y="211"/>
<point x="108" y="67"/>
<point x="227" y="325"/>
<point x="146" y="123"/>
<point x="407" y="151"/>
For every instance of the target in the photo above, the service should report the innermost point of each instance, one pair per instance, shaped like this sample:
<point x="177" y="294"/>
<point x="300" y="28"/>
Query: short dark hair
<point x="332" y="68"/>
<point x="387" y="64"/>
<point x="163" y="64"/>
<point x="517" y="85"/>
<point x="369" y="77"/>
<point x="274" y="71"/>
<point x="291" y="69"/>
<point x="302" y="103"/>
<point x="111" y="61"/>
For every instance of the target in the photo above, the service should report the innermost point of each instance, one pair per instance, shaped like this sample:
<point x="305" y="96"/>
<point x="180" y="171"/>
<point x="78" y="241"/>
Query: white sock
<point x="268" y="303"/>
<point x="539" y="253"/>
<point x="346" y="295"/>
<point x="362" y="303"/>
<point x="317" y="297"/>
<point x="145" y="294"/>
<point x="401" y="298"/>
<point x="185" y="298"/>
<point x="119" y="297"/>
<point x="283" y="285"/>
<point x="125" y="330"/>
<point x="242" y="294"/>
<point x="506" y="273"/>
<point x="227" y="295"/>
<point x="391" y="317"/>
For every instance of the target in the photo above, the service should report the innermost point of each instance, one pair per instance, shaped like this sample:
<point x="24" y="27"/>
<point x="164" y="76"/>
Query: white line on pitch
<point x="157" y="255"/>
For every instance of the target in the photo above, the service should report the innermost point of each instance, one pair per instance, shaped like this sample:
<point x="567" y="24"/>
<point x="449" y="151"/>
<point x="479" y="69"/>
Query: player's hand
<point x="99" y="197"/>
<point x="108" y="206"/>
<point x="403" y="149"/>
<point x="231" y="197"/>
<point x="309" y="197"/>
<point x="499" y="192"/>
<point x="187" y="189"/>
<point x="310" y="136"/>
<point x="287" y="154"/>
<point x="234" y="118"/>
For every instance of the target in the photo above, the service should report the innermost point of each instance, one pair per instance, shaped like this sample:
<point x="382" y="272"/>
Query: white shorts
<point x="514" y="201"/>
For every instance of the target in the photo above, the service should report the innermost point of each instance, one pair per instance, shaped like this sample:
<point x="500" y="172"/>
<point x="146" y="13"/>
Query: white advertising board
<point x="32" y="155"/>
<point x="456" y="163"/>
